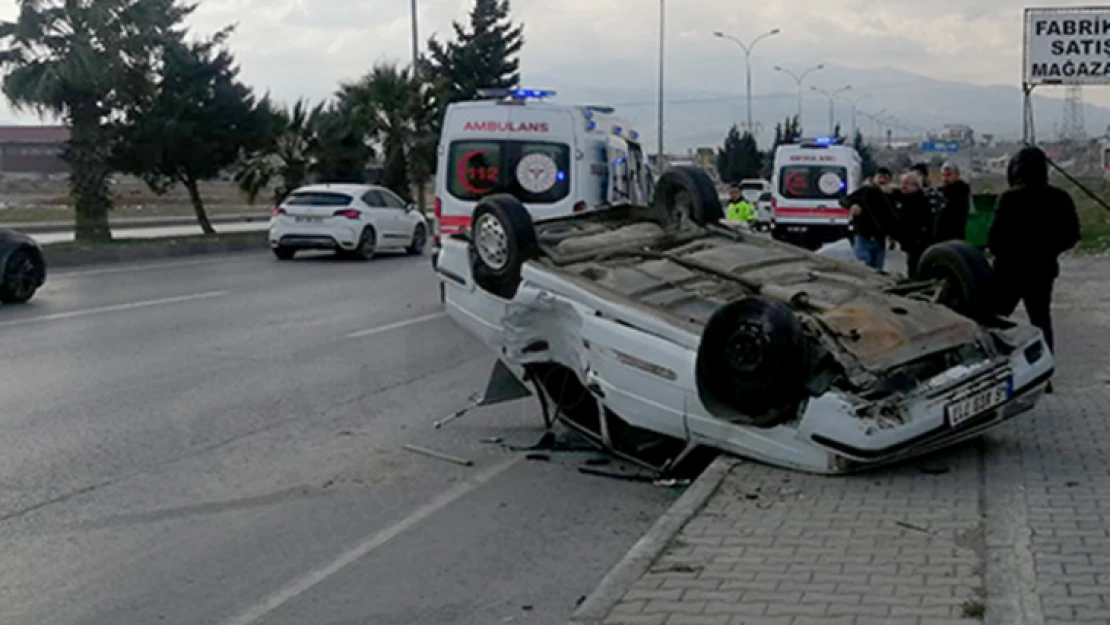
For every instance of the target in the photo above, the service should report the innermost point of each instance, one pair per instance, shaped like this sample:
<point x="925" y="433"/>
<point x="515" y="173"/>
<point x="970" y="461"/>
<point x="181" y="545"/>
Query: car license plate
<point x="959" y="411"/>
<point x="307" y="220"/>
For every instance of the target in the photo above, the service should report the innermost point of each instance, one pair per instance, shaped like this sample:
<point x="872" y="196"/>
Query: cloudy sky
<point x="299" y="48"/>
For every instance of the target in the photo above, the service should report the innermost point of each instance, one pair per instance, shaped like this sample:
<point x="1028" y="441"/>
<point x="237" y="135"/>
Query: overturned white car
<point x="653" y="330"/>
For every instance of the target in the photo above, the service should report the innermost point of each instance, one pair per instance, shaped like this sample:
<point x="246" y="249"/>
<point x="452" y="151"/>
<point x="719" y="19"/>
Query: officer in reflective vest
<point x="739" y="209"/>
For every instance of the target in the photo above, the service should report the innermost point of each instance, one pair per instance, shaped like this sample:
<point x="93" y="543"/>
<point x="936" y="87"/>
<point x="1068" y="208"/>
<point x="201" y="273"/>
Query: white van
<point x="557" y="159"/>
<point x="809" y="180"/>
<point x="751" y="189"/>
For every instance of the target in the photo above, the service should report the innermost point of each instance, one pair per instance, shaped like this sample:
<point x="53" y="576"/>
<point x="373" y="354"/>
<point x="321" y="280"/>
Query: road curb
<point x="639" y="559"/>
<point x="48" y="227"/>
<point x="155" y="250"/>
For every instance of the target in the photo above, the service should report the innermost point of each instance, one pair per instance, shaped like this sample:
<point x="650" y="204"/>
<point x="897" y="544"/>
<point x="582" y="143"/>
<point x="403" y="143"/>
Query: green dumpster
<point x="979" y="219"/>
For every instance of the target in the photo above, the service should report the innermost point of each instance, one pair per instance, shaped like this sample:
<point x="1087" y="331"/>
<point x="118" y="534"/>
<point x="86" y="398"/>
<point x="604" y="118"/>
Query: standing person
<point x="952" y="220"/>
<point x="935" y="197"/>
<point x="739" y="208"/>
<point x="1034" y="222"/>
<point x="872" y="219"/>
<point x="915" y="220"/>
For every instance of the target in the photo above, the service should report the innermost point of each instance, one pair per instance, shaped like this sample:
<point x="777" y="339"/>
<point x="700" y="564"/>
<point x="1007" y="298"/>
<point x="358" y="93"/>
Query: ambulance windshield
<point x="535" y="172"/>
<point x="813" y="182"/>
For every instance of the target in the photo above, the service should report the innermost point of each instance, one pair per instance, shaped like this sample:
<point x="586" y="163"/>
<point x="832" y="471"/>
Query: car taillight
<point x="349" y="213"/>
<point x="438" y="208"/>
<point x="579" y="206"/>
<point x="279" y="211"/>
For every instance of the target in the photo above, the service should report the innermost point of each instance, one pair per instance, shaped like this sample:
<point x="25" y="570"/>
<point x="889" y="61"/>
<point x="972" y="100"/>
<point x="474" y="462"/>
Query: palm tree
<point x="81" y="60"/>
<point x="287" y="159"/>
<point x="382" y="105"/>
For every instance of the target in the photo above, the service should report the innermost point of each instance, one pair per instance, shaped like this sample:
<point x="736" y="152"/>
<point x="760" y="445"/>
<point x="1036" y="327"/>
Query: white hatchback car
<point x="355" y="220"/>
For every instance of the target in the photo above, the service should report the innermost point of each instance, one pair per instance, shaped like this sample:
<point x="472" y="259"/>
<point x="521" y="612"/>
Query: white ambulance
<point x="808" y="181"/>
<point x="557" y="159"/>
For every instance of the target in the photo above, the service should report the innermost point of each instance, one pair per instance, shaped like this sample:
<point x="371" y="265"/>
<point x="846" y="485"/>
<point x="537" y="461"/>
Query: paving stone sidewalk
<point x="1009" y="529"/>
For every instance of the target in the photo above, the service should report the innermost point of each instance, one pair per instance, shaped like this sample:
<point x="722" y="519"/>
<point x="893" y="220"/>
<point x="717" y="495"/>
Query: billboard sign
<point x="1067" y="46"/>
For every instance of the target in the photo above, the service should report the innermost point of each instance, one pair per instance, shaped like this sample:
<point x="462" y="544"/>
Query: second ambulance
<point x="809" y="180"/>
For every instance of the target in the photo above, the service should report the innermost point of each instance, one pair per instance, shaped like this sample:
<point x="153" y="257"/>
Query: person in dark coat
<point x="915" y="220"/>
<point x="1034" y="222"/>
<point x="952" y="220"/>
<point x="872" y="219"/>
<point x="934" y="195"/>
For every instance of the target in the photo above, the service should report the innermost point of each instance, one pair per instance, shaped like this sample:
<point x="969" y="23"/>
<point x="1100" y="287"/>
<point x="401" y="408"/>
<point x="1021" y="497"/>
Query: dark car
<point x="22" y="267"/>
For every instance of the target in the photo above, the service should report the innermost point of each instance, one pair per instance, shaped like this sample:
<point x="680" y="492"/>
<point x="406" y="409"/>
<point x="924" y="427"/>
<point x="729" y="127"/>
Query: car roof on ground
<point x="350" y="189"/>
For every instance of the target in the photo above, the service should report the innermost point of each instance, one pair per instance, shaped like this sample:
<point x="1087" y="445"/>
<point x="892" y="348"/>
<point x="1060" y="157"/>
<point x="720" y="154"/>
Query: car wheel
<point x="419" y="240"/>
<point x="284" y="253"/>
<point x="967" y="280"/>
<point x="367" y="245"/>
<point x="21" y="277"/>
<point x="686" y="194"/>
<point x="752" y="363"/>
<point x="502" y="239"/>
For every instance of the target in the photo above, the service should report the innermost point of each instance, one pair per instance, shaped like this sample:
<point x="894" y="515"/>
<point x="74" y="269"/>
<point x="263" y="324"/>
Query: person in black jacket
<point x="1034" y="222"/>
<point x="872" y="219"/>
<point x="952" y="220"/>
<point x="915" y="220"/>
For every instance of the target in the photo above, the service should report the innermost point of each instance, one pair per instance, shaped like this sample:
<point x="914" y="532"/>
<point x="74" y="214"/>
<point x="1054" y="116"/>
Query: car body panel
<point x="628" y="323"/>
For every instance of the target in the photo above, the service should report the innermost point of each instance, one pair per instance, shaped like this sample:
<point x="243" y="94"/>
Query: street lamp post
<point x="662" y="33"/>
<point x="798" y="79"/>
<point x="831" y="95"/>
<point x="854" y="103"/>
<point x="748" y="64"/>
<point x="874" y="117"/>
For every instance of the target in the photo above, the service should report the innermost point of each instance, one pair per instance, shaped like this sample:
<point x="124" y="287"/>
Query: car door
<point x="398" y="215"/>
<point x="381" y="216"/>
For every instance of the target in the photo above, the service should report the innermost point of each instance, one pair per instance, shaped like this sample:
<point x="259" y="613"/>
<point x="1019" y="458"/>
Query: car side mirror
<point x="410" y="206"/>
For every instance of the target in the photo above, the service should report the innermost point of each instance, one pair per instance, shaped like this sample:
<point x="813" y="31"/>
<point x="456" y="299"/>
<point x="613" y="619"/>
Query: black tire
<point x="686" y="194"/>
<point x="419" y="241"/>
<point x="753" y="363"/>
<point x="969" y="285"/>
<point x="367" y="245"/>
<point x="20" y="277"/>
<point x="502" y="239"/>
<point x="284" y="253"/>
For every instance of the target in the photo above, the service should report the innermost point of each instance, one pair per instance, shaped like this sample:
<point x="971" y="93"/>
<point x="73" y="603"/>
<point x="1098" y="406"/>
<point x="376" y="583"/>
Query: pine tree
<point x="485" y="54"/>
<point x="739" y="158"/>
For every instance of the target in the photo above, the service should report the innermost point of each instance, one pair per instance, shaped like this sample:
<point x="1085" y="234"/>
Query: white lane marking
<point x="396" y="325"/>
<point x="306" y="582"/>
<point x="115" y="308"/>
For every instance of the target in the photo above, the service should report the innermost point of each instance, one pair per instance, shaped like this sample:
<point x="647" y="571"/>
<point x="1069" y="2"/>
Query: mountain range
<point x="700" y="116"/>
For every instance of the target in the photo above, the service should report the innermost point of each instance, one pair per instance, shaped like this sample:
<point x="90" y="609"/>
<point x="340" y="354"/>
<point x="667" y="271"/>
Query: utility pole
<point x="748" y="65"/>
<point x="798" y="79"/>
<point x="662" y="39"/>
<point x="415" y="44"/>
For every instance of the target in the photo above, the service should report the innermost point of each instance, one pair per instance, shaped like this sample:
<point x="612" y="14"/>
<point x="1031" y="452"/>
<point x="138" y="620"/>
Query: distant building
<point x="33" y="149"/>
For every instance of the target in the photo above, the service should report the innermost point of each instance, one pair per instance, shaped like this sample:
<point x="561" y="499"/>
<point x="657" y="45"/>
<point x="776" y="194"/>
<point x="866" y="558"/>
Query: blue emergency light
<point x="524" y="94"/>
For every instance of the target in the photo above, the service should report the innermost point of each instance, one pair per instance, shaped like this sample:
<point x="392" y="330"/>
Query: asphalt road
<point x="218" y="441"/>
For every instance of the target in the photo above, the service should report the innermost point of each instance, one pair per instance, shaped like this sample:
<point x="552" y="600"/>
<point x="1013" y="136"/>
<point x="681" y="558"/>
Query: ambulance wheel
<point x="966" y="276"/>
<point x="686" y="194"/>
<point x="751" y="363"/>
<point x="502" y="239"/>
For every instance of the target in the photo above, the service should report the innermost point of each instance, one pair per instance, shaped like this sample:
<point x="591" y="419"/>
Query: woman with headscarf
<point x="1034" y="222"/>
<point x="915" y="220"/>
